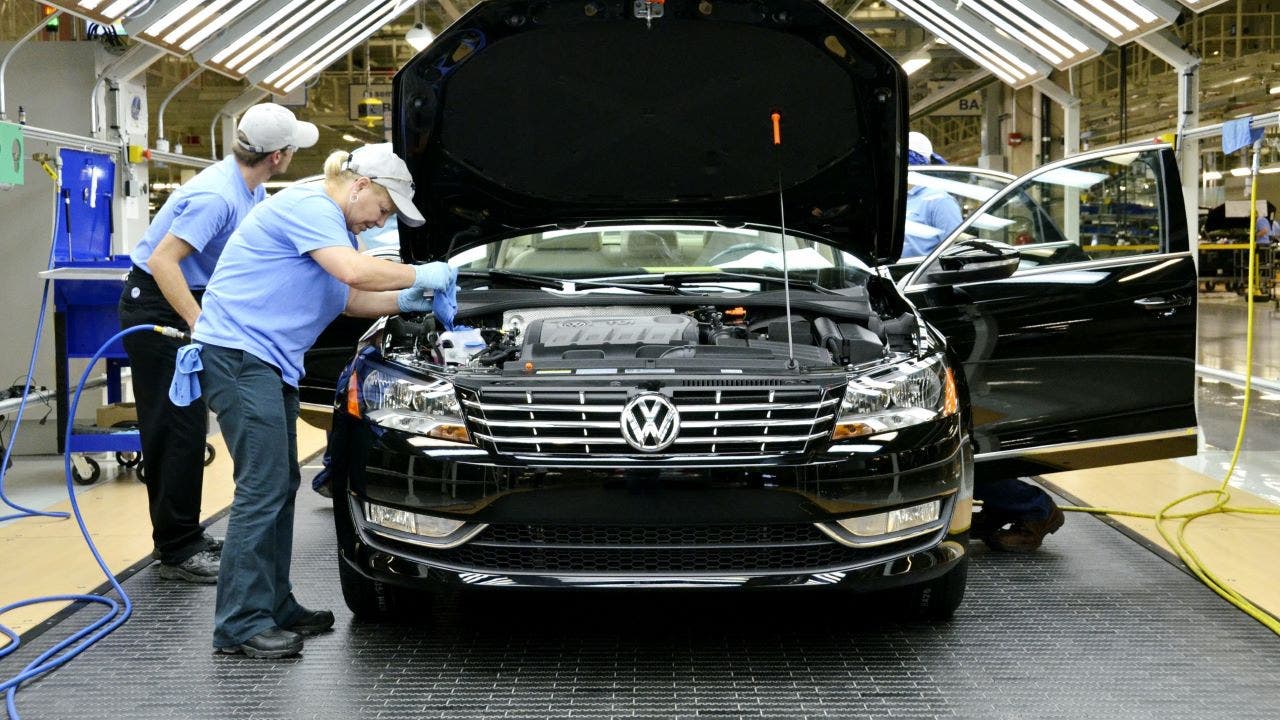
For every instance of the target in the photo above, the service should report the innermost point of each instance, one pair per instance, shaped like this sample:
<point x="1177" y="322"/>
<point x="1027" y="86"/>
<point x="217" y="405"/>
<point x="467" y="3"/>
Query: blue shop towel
<point x="186" y="379"/>
<point x="1237" y="134"/>
<point x="444" y="304"/>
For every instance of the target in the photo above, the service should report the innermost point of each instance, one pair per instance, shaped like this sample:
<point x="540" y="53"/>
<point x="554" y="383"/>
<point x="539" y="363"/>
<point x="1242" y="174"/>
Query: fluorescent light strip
<point x="303" y="58"/>
<point x="1114" y="14"/>
<point x="1046" y="32"/>
<point x="345" y="42"/>
<point x="1016" y="33"/>
<point x="88" y="4"/>
<point x="1085" y="14"/>
<point x="256" y="54"/>
<point x="1044" y="22"/>
<point x="218" y="23"/>
<point x="272" y="22"/>
<point x="1138" y="11"/>
<point x="115" y="10"/>
<point x="190" y="23"/>
<point x="964" y="45"/>
<point x="978" y="44"/>
<point x="340" y="49"/>
<point x="173" y="16"/>
<point x="981" y="39"/>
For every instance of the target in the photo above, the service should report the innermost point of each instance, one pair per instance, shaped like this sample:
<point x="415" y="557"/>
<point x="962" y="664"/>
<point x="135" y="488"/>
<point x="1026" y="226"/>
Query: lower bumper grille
<point x="654" y="551"/>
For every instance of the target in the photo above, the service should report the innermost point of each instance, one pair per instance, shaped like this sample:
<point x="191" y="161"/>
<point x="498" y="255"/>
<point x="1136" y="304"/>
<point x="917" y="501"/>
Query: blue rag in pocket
<point x="185" y="387"/>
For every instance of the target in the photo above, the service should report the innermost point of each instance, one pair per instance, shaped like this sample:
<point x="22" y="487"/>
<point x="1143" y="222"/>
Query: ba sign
<point x="967" y="105"/>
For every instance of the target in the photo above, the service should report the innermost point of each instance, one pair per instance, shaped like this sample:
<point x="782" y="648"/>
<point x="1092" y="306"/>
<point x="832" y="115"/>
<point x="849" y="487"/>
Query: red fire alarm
<point x="1015" y="139"/>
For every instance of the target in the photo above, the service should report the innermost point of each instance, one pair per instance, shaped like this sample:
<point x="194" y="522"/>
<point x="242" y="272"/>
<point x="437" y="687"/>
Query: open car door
<point x="1070" y="299"/>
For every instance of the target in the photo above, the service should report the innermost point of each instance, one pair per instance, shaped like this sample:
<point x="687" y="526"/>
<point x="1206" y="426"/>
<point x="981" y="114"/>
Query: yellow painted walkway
<point x="45" y="556"/>
<point x="1239" y="549"/>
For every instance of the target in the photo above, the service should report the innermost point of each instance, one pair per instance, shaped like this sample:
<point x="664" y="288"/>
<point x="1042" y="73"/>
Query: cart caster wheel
<point x="95" y="472"/>
<point x="209" y="454"/>
<point x="129" y="459"/>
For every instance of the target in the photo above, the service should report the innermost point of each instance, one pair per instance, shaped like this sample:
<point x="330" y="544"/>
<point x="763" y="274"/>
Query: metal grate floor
<point x="1093" y="626"/>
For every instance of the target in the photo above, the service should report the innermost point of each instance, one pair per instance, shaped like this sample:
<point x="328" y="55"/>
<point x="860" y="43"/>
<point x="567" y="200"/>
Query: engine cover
<point x="586" y="338"/>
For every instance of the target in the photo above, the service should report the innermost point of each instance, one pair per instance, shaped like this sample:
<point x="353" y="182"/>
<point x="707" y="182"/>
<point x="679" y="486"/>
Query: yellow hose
<point x="1179" y="542"/>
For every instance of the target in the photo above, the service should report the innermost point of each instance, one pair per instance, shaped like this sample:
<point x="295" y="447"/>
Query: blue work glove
<point x="434" y="276"/>
<point x="185" y="387"/>
<point x="413" y="300"/>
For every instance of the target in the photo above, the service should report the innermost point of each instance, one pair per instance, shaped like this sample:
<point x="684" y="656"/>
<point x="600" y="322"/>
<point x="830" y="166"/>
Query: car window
<point x="970" y="188"/>
<point x="1096" y="209"/>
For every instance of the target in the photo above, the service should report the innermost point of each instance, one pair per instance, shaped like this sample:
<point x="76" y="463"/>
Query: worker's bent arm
<point x="366" y="304"/>
<point x="362" y="272"/>
<point x="166" y="269"/>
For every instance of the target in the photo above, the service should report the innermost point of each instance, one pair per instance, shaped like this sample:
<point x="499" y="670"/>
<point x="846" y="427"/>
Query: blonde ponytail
<point x="334" y="169"/>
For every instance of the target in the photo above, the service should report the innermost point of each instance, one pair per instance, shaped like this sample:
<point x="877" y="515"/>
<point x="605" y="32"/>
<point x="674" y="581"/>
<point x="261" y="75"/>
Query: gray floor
<point x="1091" y="626"/>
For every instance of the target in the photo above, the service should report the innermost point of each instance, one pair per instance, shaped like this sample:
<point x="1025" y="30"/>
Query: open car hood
<point x="526" y="115"/>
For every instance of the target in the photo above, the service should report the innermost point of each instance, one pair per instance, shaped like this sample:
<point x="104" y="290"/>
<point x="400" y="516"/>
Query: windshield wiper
<point x="568" y="284"/>
<point x="677" y="279"/>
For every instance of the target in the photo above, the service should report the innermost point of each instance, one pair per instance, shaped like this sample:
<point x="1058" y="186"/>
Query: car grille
<point x="632" y="550"/>
<point x="721" y="421"/>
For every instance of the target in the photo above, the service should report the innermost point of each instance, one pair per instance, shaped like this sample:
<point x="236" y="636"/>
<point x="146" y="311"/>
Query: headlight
<point x="420" y="406"/>
<point x="896" y="396"/>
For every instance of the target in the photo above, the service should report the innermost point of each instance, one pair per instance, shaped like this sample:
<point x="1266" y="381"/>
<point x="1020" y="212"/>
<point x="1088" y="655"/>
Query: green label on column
<point x="11" y="152"/>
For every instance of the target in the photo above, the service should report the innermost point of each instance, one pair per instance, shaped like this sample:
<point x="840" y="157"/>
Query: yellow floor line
<point x="1240" y="549"/>
<point x="44" y="556"/>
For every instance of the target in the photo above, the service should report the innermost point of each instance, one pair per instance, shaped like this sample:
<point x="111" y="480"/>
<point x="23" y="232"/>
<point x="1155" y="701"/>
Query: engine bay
<point x="621" y="337"/>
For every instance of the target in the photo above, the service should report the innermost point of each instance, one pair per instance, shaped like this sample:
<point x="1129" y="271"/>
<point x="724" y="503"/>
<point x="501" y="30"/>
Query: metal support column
<point x="1169" y="47"/>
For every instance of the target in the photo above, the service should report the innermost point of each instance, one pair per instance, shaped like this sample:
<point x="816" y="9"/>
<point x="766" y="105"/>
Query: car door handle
<point x="1162" y="303"/>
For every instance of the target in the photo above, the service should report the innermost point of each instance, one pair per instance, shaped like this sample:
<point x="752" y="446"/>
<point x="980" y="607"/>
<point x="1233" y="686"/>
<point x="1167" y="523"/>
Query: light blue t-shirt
<point x="204" y="213"/>
<point x="931" y="216"/>
<point x="268" y="297"/>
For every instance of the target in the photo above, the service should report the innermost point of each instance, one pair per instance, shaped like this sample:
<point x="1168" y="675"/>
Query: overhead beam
<point x="944" y="95"/>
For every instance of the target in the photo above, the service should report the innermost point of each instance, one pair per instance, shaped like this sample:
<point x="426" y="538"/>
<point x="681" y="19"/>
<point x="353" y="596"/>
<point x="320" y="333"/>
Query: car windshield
<point x="729" y="258"/>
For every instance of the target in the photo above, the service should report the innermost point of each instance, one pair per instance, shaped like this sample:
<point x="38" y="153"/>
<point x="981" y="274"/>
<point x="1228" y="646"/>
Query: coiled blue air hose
<point x="116" y="616"/>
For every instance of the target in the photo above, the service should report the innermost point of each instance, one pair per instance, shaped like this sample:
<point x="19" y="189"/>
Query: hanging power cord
<point x="1178" y="541"/>
<point x="116" y="616"/>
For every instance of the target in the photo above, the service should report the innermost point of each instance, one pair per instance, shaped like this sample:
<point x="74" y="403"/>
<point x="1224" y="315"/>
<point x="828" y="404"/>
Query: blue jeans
<point x="1011" y="499"/>
<point x="257" y="413"/>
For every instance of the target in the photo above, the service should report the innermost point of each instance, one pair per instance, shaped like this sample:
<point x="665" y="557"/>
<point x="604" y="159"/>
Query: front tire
<point x="936" y="600"/>
<point x="374" y="600"/>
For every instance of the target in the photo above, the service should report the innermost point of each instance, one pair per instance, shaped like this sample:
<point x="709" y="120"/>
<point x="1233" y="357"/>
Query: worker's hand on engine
<point x="434" y="276"/>
<point x="413" y="299"/>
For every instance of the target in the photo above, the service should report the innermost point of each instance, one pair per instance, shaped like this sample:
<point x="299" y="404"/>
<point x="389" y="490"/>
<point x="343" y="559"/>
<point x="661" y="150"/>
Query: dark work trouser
<point x="258" y="415"/>
<point x="173" y="437"/>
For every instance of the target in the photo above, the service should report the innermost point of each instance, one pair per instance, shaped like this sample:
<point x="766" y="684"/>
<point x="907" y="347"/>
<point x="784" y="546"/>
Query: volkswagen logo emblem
<point x="650" y="423"/>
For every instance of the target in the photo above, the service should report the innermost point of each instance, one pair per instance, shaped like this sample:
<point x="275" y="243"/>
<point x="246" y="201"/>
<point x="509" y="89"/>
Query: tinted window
<point x="1093" y="210"/>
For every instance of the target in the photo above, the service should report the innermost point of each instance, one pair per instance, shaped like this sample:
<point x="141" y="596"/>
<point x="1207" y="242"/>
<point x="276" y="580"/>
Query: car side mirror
<point x="973" y="261"/>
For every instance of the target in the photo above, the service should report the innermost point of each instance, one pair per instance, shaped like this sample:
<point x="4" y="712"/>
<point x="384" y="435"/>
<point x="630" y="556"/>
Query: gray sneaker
<point x="199" y="568"/>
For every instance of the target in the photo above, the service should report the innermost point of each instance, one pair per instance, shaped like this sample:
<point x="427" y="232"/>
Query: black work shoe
<point x="213" y="544"/>
<point x="268" y="644"/>
<point x="199" y="568"/>
<point x="311" y="622"/>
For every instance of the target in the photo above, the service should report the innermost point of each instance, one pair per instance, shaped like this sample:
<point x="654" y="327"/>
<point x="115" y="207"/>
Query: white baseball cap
<point x="268" y="127"/>
<point x="379" y="163"/>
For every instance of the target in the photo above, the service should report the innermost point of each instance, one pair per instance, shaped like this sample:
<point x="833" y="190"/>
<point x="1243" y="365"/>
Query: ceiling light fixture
<point x="420" y="36"/>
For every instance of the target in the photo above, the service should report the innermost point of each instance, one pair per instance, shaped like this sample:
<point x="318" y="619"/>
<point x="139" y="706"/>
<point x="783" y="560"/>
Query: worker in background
<point x="931" y="214"/>
<point x="1265" y="227"/>
<point x="172" y="264"/>
<point x="290" y="269"/>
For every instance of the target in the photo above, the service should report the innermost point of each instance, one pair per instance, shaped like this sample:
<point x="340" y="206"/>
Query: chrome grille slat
<point x="579" y="422"/>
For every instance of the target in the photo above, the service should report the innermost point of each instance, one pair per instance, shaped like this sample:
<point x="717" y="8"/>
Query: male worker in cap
<point x="931" y="214"/>
<point x="171" y="265"/>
